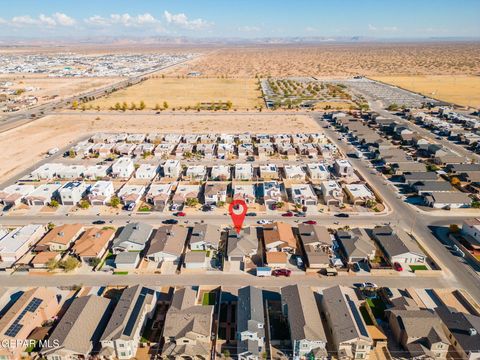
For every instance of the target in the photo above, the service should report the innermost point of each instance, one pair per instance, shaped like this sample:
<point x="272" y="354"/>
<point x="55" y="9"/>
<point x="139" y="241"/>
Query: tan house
<point x="60" y="238"/>
<point x="41" y="260"/>
<point x="93" y="244"/>
<point x="279" y="237"/>
<point x="31" y="310"/>
<point x="276" y="259"/>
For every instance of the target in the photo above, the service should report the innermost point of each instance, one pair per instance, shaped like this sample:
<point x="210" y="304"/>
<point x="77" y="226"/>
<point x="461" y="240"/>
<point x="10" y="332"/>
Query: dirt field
<point x="21" y="147"/>
<point x="49" y="88"/>
<point x="340" y="60"/>
<point x="459" y="89"/>
<point x="243" y="93"/>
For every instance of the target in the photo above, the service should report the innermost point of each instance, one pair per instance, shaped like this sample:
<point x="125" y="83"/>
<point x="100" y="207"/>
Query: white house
<point x="318" y="172"/>
<point x="294" y="172"/>
<point x="14" y="194"/>
<point x="471" y="227"/>
<point x="46" y="171"/>
<point x="220" y="172"/>
<point x="129" y="194"/>
<point x="94" y="172"/>
<point x="205" y="237"/>
<point x="185" y="192"/>
<point x="304" y="195"/>
<point x="196" y="172"/>
<point x="123" y="168"/>
<point x="215" y="192"/>
<point x="245" y="192"/>
<point x="332" y="193"/>
<point x="17" y="242"/>
<point x="163" y="149"/>
<point x="146" y="171"/>
<point x="272" y="193"/>
<point x="101" y="192"/>
<point x="43" y="194"/>
<point x="269" y="171"/>
<point x="343" y="168"/>
<point x="70" y="171"/>
<point x="72" y="192"/>
<point x="358" y="194"/>
<point x="243" y="171"/>
<point x="159" y="194"/>
<point x="172" y="169"/>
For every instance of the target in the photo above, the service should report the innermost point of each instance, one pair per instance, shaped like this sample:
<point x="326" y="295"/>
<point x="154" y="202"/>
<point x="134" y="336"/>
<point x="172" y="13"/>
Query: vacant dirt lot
<point x="458" y="89"/>
<point x="184" y="92"/>
<point x="340" y="60"/>
<point x="48" y="88"/>
<point x="21" y="147"/>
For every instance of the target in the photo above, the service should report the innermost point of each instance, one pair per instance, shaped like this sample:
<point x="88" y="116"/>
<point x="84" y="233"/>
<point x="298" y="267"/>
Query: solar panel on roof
<point x="13" y="329"/>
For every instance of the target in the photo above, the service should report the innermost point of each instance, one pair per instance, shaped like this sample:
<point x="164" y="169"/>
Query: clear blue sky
<point x="242" y="18"/>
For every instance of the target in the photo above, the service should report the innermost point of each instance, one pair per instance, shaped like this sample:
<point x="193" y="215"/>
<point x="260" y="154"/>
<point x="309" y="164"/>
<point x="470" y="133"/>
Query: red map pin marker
<point x="238" y="210"/>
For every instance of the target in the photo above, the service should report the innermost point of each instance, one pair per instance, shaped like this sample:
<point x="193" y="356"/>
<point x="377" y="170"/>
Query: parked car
<point x="282" y="272"/>
<point x="170" y="222"/>
<point x="98" y="222"/>
<point x="310" y="222"/>
<point x="300" y="214"/>
<point x="299" y="261"/>
<point x="287" y="214"/>
<point x="369" y="285"/>
<point x="180" y="213"/>
<point x="397" y="266"/>
<point x="130" y="206"/>
<point x="263" y="222"/>
<point x="251" y="214"/>
<point x="343" y="215"/>
<point x="356" y="267"/>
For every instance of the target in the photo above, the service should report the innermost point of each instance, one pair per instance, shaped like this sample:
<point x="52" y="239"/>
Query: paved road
<point x="216" y="278"/>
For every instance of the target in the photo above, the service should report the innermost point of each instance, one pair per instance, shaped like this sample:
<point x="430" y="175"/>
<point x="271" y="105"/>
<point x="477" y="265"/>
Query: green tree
<point x="114" y="201"/>
<point x="392" y="107"/>
<point x="52" y="264"/>
<point x="50" y="226"/>
<point x="74" y="104"/>
<point x="229" y="105"/>
<point x="118" y="106"/>
<point x="94" y="262"/>
<point x="191" y="202"/>
<point x="71" y="153"/>
<point x="165" y="105"/>
<point x="69" y="264"/>
<point x="124" y="106"/>
<point x="453" y="228"/>
<point x="279" y="204"/>
<point x="133" y="106"/>
<point x="54" y="203"/>
<point x="475" y="204"/>
<point x="142" y="105"/>
<point x="83" y="204"/>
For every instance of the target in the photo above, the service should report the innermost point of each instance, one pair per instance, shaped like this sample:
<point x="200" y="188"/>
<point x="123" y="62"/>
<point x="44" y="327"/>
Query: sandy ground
<point x="340" y="60"/>
<point x="243" y="93"/>
<point x="21" y="147"/>
<point x="49" y="88"/>
<point x="458" y="89"/>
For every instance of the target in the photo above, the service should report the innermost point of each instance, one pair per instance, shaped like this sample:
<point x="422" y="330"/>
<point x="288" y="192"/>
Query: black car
<point x="251" y="214"/>
<point x="98" y="222"/>
<point x="170" y="222"/>
<point x="342" y="215"/>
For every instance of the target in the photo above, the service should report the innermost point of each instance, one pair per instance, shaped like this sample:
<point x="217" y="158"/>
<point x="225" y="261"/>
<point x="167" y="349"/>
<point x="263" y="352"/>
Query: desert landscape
<point x="340" y="60"/>
<point x="63" y="129"/>
<point x="186" y="92"/>
<point x="457" y="89"/>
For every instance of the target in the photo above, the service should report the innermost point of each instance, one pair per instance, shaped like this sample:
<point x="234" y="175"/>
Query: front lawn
<point x="208" y="298"/>
<point x="377" y="306"/>
<point x="418" y="267"/>
<point x="120" y="273"/>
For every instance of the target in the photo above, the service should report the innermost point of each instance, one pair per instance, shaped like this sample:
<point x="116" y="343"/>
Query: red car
<point x="180" y="213"/>
<point x="397" y="266"/>
<point x="281" y="272"/>
<point x="310" y="222"/>
<point x="288" y="214"/>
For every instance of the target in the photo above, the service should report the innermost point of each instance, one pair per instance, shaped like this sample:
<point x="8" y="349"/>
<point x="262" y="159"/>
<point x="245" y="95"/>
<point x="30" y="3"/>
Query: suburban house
<point x="43" y="258"/>
<point x="101" y="192"/>
<point x="318" y="172"/>
<point x="72" y="192"/>
<point x="306" y="329"/>
<point x="29" y="311"/>
<point x="356" y="245"/>
<point x="304" y="195"/>
<point x="131" y="194"/>
<point x="332" y="193"/>
<point x="418" y="331"/>
<point x="358" y="194"/>
<point x="351" y="339"/>
<point x="215" y="192"/>
<point x="93" y="244"/>
<point x="123" y="168"/>
<point x="416" y="177"/>
<point x="121" y="337"/>
<point x="220" y="172"/>
<point x="163" y="150"/>
<point x="133" y="237"/>
<point x="185" y="192"/>
<point x="317" y="244"/>
<point x="17" y="242"/>
<point x="243" y="171"/>
<point x="159" y="195"/>
<point x="408" y="167"/>
<point x="462" y="330"/>
<point x="205" y="237"/>
<point x="172" y="169"/>
<point x="127" y="260"/>
<point x="343" y="168"/>
<point x="196" y="172"/>
<point x="167" y="244"/>
<point x="70" y="171"/>
<point x="276" y="259"/>
<point x="196" y="260"/>
<point x="279" y="237"/>
<point x="146" y="171"/>
<point x="294" y="173"/>
<point x="269" y="172"/>
<point x="188" y="326"/>
<point x="448" y="200"/>
<point x="43" y="194"/>
<point x="241" y="247"/>
<point x="272" y="194"/>
<point x="95" y="172"/>
<point x="398" y="246"/>
<point x="245" y="192"/>
<point x="79" y="329"/>
<point x="471" y="234"/>
<point x="12" y="195"/>
<point x="250" y="323"/>
<point x="46" y="171"/>
<point x="59" y="238"/>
